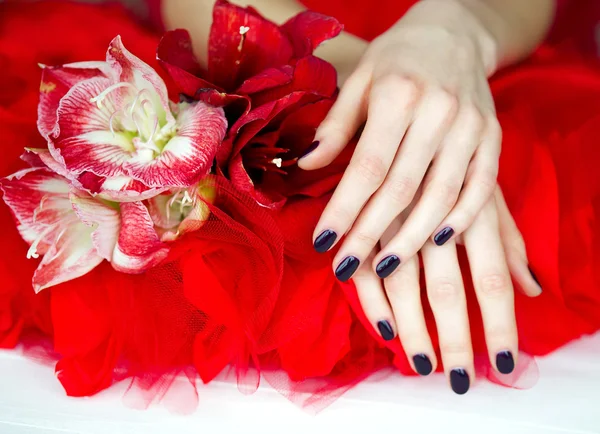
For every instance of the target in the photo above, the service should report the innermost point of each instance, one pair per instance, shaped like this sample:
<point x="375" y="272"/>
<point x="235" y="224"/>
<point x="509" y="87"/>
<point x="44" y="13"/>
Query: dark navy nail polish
<point x="422" y="364"/>
<point x="443" y="236"/>
<point x="385" y="330"/>
<point x="324" y="241"/>
<point x="387" y="266"/>
<point x="314" y="145"/>
<point x="505" y="362"/>
<point x="459" y="380"/>
<point x="534" y="277"/>
<point x="347" y="268"/>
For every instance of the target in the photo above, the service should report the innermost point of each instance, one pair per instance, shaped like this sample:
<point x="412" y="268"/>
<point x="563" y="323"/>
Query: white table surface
<point x="565" y="400"/>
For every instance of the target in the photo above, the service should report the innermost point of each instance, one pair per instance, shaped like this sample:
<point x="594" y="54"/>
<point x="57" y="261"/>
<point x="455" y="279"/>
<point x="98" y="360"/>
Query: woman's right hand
<point x="495" y="250"/>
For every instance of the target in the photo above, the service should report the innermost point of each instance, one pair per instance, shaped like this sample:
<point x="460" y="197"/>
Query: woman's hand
<point x="495" y="250"/>
<point x="430" y="121"/>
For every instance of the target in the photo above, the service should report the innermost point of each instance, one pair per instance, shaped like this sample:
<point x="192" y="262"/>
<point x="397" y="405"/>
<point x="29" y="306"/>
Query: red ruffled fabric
<point x="247" y="290"/>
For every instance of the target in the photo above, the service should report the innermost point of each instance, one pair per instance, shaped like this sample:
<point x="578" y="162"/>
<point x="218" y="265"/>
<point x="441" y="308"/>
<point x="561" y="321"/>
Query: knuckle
<point x="498" y="334"/>
<point x="371" y="168"/>
<point x="401" y="190"/>
<point x="473" y="116"/>
<point x="487" y="177"/>
<point x="445" y="99"/>
<point x="447" y="192"/>
<point x="443" y="291"/>
<point x="494" y="285"/>
<point x="395" y="85"/>
<point x="366" y="238"/>
<point x="341" y="215"/>
<point x="457" y="350"/>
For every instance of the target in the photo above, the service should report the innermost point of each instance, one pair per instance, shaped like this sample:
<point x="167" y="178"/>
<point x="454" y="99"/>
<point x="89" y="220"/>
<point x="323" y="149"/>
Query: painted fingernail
<point x="443" y="236"/>
<point x="535" y="277"/>
<point x="346" y="269"/>
<point x="385" y="330"/>
<point x="314" y="145"/>
<point x="387" y="266"/>
<point x="459" y="380"/>
<point x="505" y="362"/>
<point x="422" y="364"/>
<point x="324" y="241"/>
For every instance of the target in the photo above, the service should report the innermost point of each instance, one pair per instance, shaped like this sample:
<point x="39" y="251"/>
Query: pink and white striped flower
<point x="75" y="232"/>
<point x="112" y="131"/>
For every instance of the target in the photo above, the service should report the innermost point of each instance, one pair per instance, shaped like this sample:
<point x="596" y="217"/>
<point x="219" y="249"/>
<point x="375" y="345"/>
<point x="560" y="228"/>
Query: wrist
<point x="459" y="18"/>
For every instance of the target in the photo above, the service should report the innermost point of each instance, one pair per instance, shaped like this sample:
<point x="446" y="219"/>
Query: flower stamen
<point x="102" y="95"/>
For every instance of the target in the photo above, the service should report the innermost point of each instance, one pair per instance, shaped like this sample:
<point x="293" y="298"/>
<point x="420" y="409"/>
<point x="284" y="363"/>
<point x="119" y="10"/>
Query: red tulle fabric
<point x="247" y="293"/>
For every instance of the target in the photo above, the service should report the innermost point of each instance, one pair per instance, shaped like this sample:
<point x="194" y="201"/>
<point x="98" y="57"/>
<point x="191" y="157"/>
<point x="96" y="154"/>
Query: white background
<point x="565" y="400"/>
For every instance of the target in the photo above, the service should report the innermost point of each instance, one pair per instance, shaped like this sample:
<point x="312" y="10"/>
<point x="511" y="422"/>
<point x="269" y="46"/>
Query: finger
<point x="371" y="161"/>
<point x="514" y="246"/>
<point x="341" y="123"/>
<point x="479" y="186"/>
<point x="374" y="302"/>
<point x="432" y="121"/>
<point x="441" y="187"/>
<point x="493" y="288"/>
<point x="404" y="294"/>
<point x="446" y="295"/>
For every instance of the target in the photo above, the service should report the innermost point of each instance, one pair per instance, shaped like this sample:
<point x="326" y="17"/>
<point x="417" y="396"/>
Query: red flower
<point x="267" y="78"/>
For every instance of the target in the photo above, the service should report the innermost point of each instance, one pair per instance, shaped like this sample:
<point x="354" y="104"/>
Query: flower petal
<point x="39" y="157"/>
<point x="308" y="30"/>
<point x="83" y="140"/>
<point x="39" y="200"/>
<point x="56" y="82"/>
<point x="176" y="57"/>
<point x="189" y="155"/>
<point x="242" y="44"/>
<point x="131" y="69"/>
<point x="267" y="79"/>
<point x="103" y="219"/>
<point x="71" y="256"/>
<point x="138" y="248"/>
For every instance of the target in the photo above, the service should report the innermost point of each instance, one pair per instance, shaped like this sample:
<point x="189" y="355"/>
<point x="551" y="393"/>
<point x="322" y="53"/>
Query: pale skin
<point x="426" y="162"/>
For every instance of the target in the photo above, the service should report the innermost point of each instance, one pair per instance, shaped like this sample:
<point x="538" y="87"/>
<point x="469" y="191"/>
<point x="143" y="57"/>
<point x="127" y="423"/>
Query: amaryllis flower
<point x="75" y="232"/>
<point x="182" y="211"/>
<point x="287" y="90"/>
<point x="112" y="130"/>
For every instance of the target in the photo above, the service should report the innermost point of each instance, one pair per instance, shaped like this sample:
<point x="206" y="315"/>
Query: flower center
<point x="139" y="120"/>
<point x="260" y="159"/>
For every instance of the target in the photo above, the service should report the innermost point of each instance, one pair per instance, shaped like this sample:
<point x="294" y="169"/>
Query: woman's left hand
<point x="495" y="250"/>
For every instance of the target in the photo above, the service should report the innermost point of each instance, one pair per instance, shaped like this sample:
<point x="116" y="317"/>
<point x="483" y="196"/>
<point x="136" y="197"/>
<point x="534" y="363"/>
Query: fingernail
<point x="346" y="269"/>
<point x="387" y="266"/>
<point x="422" y="364"/>
<point x="325" y="240"/>
<point x="459" y="380"/>
<point x="314" y="145"/>
<point x="443" y="236"/>
<point x="505" y="362"/>
<point x="534" y="277"/>
<point x="385" y="330"/>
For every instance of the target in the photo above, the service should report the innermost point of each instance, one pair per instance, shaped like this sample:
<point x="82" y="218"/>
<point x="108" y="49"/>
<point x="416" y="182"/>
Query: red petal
<point x="308" y="30"/>
<point x="267" y="79"/>
<point x="311" y="75"/>
<point x="138" y="248"/>
<point x="84" y="142"/>
<point x="176" y="57"/>
<point x="189" y="155"/>
<point x="56" y="82"/>
<point x="242" y="44"/>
